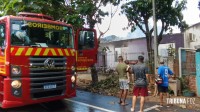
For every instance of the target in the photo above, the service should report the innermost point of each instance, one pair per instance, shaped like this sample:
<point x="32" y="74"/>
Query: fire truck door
<point x="86" y="49"/>
<point x="2" y="47"/>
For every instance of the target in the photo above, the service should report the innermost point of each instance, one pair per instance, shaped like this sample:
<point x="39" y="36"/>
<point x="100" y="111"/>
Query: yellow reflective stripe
<point x="38" y="51"/>
<point x="53" y="52"/>
<point x="72" y="52"/>
<point x="19" y="51"/>
<point x="60" y="52"/>
<point x="12" y="49"/>
<point x="28" y="52"/>
<point x="66" y="52"/>
<point x="2" y="72"/>
<point x="82" y="68"/>
<point x="46" y="52"/>
<point x="2" y="60"/>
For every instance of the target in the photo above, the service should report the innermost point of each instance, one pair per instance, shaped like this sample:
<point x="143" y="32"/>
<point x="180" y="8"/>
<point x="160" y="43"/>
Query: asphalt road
<point x="90" y="102"/>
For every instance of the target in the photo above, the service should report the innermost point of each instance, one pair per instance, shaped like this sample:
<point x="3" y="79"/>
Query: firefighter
<point x="22" y="35"/>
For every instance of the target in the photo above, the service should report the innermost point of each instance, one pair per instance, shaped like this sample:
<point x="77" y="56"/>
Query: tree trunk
<point x="94" y="75"/>
<point x="150" y="53"/>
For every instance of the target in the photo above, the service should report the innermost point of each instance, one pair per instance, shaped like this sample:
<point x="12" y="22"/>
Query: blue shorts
<point x="123" y="84"/>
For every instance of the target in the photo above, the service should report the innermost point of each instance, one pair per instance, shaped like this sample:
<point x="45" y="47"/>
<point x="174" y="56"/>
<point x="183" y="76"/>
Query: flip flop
<point x="124" y="104"/>
<point x="120" y="102"/>
<point x="132" y="110"/>
<point x="160" y="105"/>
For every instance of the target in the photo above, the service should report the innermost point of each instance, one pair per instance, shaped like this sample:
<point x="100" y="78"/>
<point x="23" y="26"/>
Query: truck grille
<point x="47" y="81"/>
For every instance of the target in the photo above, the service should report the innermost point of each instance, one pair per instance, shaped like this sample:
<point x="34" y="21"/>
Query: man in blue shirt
<point x="163" y="72"/>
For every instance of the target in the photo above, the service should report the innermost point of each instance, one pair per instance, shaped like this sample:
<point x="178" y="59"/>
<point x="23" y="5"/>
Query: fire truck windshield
<point x="36" y="34"/>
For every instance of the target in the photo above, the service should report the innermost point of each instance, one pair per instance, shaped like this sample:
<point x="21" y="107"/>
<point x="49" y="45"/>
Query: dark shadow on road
<point x="54" y="106"/>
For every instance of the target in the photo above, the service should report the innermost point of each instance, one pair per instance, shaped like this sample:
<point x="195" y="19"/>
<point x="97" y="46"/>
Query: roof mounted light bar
<point x="34" y="15"/>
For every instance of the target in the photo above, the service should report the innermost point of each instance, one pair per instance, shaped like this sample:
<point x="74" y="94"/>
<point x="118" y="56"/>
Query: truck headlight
<point x="73" y="79"/>
<point x="15" y="70"/>
<point x="16" y="84"/>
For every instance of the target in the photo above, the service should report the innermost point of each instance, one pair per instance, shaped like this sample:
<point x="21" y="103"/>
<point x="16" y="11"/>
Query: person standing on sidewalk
<point x="123" y="80"/>
<point x="163" y="72"/>
<point x="140" y="86"/>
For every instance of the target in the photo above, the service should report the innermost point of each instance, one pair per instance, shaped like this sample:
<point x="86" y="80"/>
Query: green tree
<point x="168" y="12"/>
<point x="77" y="12"/>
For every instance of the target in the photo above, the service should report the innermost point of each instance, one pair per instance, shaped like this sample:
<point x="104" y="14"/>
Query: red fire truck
<point x="38" y="57"/>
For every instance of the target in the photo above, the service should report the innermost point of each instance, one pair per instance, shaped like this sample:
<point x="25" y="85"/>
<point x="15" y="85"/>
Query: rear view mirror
<point x="2" y="32"/>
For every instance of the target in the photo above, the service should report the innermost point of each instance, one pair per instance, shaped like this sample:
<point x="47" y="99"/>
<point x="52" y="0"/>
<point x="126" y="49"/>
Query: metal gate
<point x="187" y="64"/>
<point x="198" y="72"/>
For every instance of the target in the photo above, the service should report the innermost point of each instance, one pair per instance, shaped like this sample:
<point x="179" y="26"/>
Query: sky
<point x="191" y="16"/>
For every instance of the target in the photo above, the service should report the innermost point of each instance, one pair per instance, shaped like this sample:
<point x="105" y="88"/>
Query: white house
<point x="131" y="48"/>
<point x="192" y="36"/>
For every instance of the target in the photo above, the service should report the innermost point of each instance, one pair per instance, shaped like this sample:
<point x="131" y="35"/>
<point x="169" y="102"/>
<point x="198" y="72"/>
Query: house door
<point x="198" y="71"/>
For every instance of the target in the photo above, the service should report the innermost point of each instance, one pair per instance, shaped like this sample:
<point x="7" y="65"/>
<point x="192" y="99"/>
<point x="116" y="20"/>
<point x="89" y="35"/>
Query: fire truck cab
<point x="39" y="58"/>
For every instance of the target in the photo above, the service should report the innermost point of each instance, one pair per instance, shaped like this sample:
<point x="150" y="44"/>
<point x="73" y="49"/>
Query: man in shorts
<point x="123" y="80"/>
<point x="163" y="72"/>
<point x="139" y="70"/>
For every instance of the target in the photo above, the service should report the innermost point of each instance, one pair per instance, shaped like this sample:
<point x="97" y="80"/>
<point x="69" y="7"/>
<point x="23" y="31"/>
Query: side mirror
<point x="2" y="32"/>
<point x="24" y="27"/>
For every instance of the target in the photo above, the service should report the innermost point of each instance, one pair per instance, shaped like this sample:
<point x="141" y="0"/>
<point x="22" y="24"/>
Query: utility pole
<point x="155" y="36"/>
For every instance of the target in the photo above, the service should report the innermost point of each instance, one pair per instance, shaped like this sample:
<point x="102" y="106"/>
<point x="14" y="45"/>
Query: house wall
<point x="192" y="32"/>
<point x="178" y="39"/>
<point x="137" y="47"/>
<point x="130" y="49"/>
<point x="108" y="55"/>
<point x="110" y="59"/>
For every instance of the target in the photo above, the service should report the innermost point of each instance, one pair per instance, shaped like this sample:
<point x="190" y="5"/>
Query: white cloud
<point x="117" y="24"/>
<point x="191" y="14"/>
